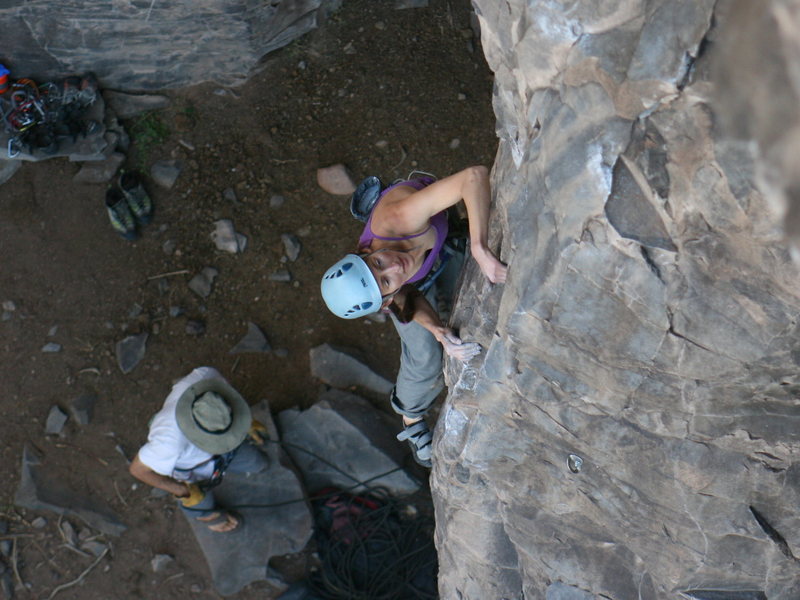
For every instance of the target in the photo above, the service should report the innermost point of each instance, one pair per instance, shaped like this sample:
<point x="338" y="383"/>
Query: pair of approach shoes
<point x="128" y="205"/>
<point x="420" y="439"/>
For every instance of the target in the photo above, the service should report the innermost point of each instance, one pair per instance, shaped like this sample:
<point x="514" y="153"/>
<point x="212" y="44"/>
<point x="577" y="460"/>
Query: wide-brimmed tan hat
<point x="213" y="416"/>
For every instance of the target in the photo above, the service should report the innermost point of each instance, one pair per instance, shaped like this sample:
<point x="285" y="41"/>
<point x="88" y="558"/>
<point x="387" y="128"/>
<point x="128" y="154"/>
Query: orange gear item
<point x="195" y="496"/>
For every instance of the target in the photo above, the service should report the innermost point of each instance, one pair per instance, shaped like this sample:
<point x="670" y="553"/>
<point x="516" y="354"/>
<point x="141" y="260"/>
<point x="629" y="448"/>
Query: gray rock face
<point x="649" y="326"/>
<point x="151" y="45"/>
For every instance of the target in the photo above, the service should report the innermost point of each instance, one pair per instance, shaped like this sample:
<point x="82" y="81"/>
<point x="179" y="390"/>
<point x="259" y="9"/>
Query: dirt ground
<point x="380" y="90"/>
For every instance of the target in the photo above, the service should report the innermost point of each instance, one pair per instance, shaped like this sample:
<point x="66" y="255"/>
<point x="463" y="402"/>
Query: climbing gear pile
<point x="38" y="117"/>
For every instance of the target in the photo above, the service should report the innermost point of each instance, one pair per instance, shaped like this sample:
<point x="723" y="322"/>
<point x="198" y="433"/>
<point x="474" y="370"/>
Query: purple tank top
<point x="438" y="222"/>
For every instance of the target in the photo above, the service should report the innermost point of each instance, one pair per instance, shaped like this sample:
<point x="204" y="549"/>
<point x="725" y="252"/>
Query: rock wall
<point x="633" y="428"/>
<point x="150" y="44"/>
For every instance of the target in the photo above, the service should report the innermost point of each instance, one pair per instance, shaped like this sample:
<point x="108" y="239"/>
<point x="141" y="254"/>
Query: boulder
<point x="165" y="46"/>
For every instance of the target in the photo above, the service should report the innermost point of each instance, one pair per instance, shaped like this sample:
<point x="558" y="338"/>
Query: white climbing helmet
<point x="349" y="288"/>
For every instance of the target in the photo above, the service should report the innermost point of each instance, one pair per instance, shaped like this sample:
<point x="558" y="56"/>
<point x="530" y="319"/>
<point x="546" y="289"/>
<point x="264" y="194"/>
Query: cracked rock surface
<point x="649" y="327"/>
<point x="217" y="40"/>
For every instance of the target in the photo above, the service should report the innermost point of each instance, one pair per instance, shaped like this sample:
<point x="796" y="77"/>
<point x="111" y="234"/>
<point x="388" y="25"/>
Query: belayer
<point x="402" y="248"/>
<point x="203" y="430"/>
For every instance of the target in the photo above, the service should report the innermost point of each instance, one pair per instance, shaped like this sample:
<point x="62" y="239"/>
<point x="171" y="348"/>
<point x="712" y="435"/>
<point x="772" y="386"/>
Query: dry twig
<point x="80" y="577"/>
<point x="170" y="274"/>
<point x="14" y="564"/>
<point x="119" y="495"/>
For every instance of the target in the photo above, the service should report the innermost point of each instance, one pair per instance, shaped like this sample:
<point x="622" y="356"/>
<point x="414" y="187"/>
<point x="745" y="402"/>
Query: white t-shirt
<point x="167" y="451"/>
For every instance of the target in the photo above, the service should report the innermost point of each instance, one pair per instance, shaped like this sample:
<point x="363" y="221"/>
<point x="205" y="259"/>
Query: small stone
<point x="194" y="327"/>
<point x="380" y="25"/>
<point x="82" y="408"/>
<point x="6" y="316"/>
<point x="276" y="201"/>
<point x="69" y="533"/>
<point x="304" y="231"/>
<point x="94" y="547"/>
<point x="56" y="419"/>
<point x="39" y="523"/>
<point x="292" y="245"/>
<point x="160" y="562"/>
<point x="296" y="284"/>
<point x="201" y="283"/>
<point x="253" y="341"/>
<point x="51" y="347"/>
<point x="381" y="144"/>
<point x="281" y="275"/>
<point x="9" y="305"/>
<point x="169" y="247"/>
<point x="130" y="351"/>
<point x="165" y="172"/>
<point x="53" y="331"/>
<point x="230" y="195"/>
<point x="226" y="238"/>
<point x="135" y="311"/>
<point x="336" y="180"/>
<point x="455" y="143"/>
<point x="462" y="96"/>
<point x="175" y="311"/>
<point x="195" y="588"/>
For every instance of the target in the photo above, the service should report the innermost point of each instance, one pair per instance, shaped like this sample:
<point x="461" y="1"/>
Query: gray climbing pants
<point x="420" y="377"/>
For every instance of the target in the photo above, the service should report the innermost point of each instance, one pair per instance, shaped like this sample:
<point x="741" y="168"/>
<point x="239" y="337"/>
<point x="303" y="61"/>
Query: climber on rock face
<point x="404" y="260"/>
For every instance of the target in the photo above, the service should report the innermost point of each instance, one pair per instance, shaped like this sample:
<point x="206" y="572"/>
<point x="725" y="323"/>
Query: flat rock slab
<point x="42" y="491"/>
<point x="100" y="171"/>
<point x="131" y="105"/>
<point x="340" y="369"/>
<point x="355" y="440"/>
<point x="239" y="558"/>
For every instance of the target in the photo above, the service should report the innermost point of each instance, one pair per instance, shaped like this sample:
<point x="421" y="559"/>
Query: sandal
<point x="221" y="517"/>
<point x="420" y="439"/>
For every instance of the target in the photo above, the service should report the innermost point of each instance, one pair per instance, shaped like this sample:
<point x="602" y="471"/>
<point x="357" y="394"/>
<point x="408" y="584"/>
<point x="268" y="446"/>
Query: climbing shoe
<point x="120" y="215"/>
<point x="138" y="201"/>
<point x="420" y="439"/>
